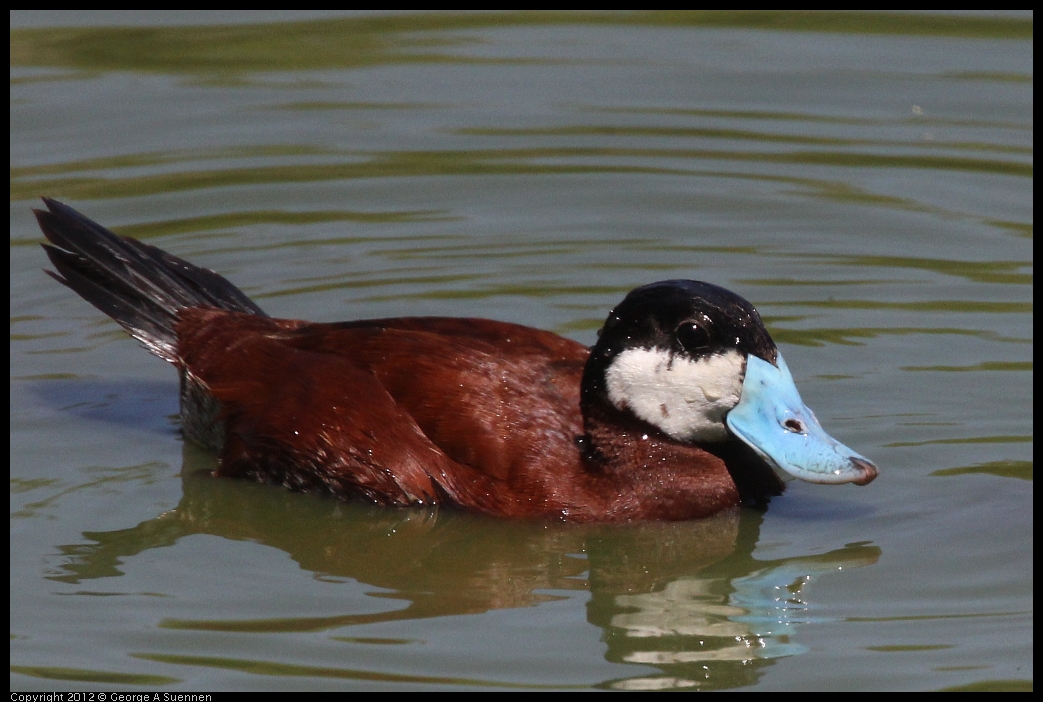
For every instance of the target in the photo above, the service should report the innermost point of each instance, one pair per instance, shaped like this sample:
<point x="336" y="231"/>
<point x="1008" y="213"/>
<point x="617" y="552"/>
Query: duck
<point x="683" y="408"/>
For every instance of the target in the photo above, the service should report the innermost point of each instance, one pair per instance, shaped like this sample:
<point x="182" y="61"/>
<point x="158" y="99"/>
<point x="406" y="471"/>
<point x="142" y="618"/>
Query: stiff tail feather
<point x="142" y="287"/>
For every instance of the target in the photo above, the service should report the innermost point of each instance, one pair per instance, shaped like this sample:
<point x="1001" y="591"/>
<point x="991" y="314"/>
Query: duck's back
<point x="409" y="395"/>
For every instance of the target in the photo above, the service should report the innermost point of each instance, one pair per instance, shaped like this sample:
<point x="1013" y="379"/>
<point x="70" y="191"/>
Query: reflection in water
<point x="718" y="624"/>
<point x="687" y="598"/>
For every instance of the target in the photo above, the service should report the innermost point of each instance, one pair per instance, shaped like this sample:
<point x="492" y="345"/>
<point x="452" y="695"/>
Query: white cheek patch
<point x="685" y="399"/>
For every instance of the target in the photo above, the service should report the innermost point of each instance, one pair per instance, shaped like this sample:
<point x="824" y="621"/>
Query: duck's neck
<point x="650" y="476"/>
<point x="669" y="479"/>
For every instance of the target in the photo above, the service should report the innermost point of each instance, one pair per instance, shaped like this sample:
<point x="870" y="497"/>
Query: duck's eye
<point x="692" y="336"/>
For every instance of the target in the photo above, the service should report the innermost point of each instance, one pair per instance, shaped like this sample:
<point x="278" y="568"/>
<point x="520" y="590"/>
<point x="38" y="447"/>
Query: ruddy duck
<point x="680" y="409"/>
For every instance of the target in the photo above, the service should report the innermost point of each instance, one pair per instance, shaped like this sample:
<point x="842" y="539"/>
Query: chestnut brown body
<point x="481" y="414"/>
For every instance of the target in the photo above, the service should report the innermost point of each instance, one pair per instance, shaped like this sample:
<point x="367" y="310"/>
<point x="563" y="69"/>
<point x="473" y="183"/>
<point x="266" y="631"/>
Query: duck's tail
<point x="140" y="286"/>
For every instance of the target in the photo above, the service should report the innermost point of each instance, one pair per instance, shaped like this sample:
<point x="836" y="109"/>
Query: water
<point x="865" y="180"/>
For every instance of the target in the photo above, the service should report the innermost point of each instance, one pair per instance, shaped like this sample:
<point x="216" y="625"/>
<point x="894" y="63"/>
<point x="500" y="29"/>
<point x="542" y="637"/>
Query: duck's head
<point x="694" y="361"/>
